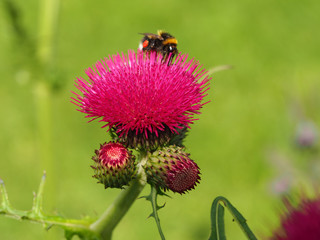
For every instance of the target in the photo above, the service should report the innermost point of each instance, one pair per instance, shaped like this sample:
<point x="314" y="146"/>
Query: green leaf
<point x="37" y="200"/>
<point x="217" y="221"/>
<point x="5" y="204"/>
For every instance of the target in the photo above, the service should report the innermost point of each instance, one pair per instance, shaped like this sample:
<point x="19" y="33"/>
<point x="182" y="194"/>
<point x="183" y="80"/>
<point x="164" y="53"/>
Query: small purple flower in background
<point x="281" y="185"/>
<point x="286" y="174"/>
<point x="307" y="134"/>
<point x="300" y="222"/>
<point x="141" y="99"/>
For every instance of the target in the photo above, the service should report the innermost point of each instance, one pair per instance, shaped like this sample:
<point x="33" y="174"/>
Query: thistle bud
<point x="171" y="168"/>
<point x="113" y="165"/>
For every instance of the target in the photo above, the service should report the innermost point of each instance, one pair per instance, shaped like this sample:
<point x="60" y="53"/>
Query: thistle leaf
<point x="5" y="204"/>
<point x="37" y="200"/>
<point x="217" y="220"/>
<point x="72" y="227"/>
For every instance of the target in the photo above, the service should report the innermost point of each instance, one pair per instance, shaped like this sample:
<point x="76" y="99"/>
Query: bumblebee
<point x="162" y="42"/>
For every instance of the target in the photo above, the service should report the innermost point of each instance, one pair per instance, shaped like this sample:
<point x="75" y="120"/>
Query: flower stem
<point x="48" y="16"/>
<point x="42" y="96"/>
<point x="49" y="10"/>
<point x="112" y="216"/>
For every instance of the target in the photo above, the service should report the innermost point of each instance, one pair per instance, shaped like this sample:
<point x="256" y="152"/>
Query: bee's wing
<point x="146" y="36"/>
<point x="151" y="35"/>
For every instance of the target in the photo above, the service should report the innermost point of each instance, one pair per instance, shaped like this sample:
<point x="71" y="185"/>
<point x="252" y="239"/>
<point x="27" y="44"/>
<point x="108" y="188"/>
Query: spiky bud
<point x="113" y="165"/>
<point x="171" y="168"/>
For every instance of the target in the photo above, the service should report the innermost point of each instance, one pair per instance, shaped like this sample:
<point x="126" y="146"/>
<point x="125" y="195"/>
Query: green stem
<point x="77" y="225"/>
<point x="49" y="10"/>
<point x="42" y="95"/>
<point x="155" y="208"/>
<point x="48" y="16"/>
<point x="112" y="216"/>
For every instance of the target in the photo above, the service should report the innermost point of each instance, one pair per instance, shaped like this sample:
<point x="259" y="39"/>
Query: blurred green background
<point x="243" y="142"/>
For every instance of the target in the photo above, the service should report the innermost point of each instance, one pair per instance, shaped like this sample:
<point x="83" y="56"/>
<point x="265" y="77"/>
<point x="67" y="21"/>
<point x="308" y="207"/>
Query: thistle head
<point x="141" y="100"/>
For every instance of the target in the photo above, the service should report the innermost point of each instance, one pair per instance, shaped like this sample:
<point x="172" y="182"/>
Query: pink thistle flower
<point x="301" y="222"/>
<point x="140" y="95"/>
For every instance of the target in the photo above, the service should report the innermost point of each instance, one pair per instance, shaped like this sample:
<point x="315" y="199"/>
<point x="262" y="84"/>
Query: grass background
<point x="274" y="48"/>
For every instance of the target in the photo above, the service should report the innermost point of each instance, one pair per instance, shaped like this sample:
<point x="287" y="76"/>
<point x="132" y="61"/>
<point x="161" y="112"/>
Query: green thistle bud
<point x="113" y="165"/>
<point x="171" y="168"/>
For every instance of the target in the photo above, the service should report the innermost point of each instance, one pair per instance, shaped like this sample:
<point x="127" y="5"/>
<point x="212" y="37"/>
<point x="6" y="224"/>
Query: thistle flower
<point x="171" y="168"/>
<point x="301" y="222"/>
<point x="113" y="165"/>
<point x="143" y="100"/>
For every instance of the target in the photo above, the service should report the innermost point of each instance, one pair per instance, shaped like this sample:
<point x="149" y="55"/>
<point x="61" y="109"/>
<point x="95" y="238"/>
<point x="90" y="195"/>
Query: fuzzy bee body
<point x="162" y="42"/>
